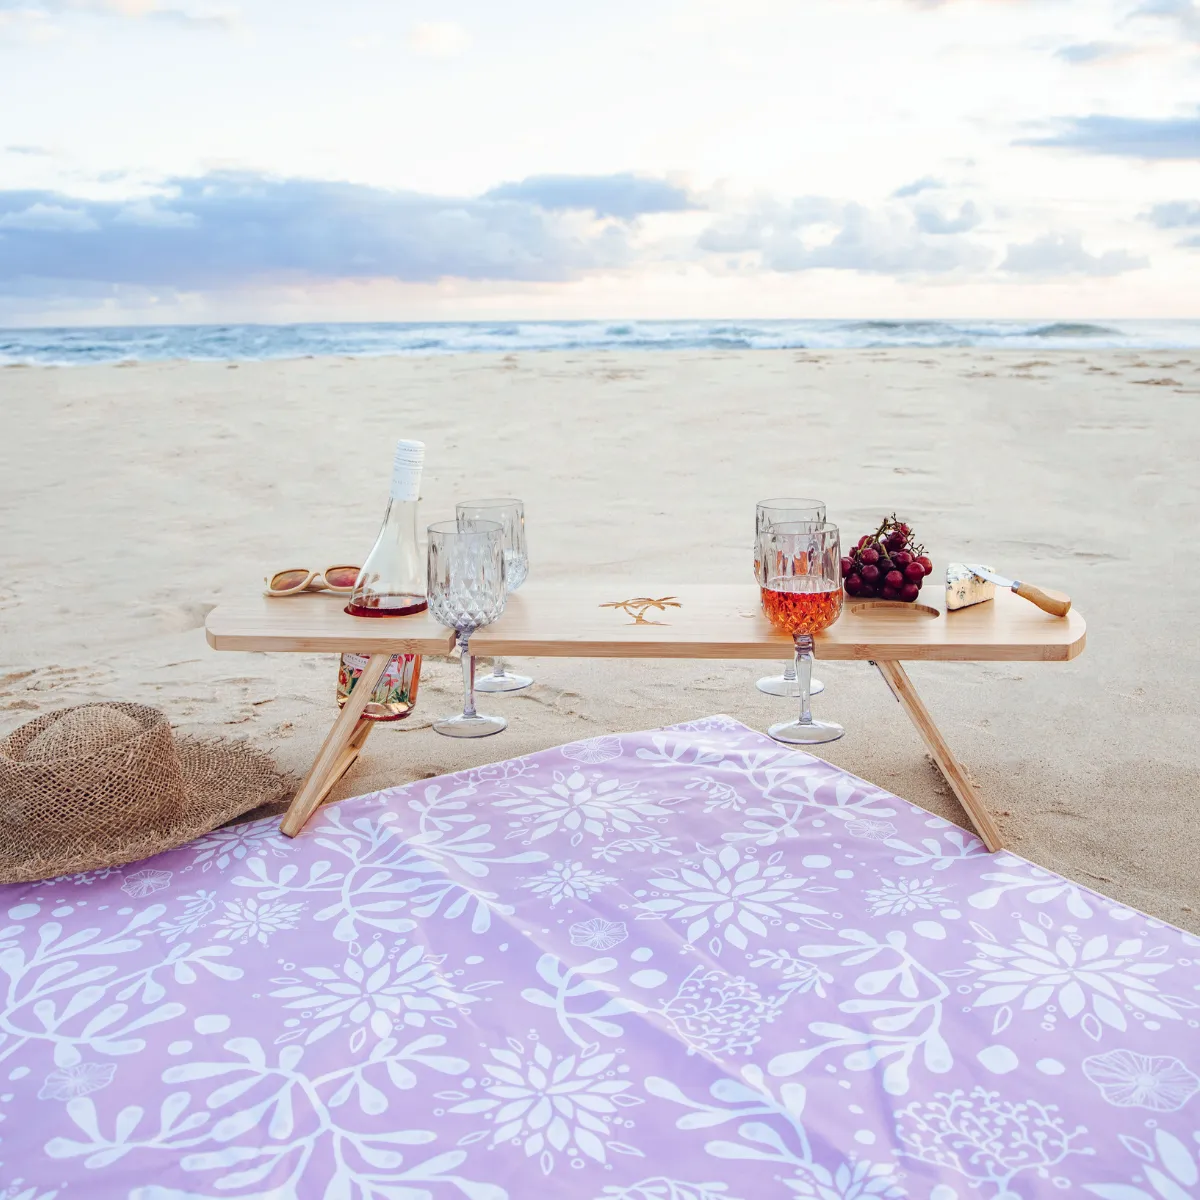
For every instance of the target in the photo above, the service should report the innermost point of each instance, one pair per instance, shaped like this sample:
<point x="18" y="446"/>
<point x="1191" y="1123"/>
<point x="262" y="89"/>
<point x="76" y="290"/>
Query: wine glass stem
<point x="498" y="668"/>
<point x="468" y="668"/>
<point x="804" y="644"/>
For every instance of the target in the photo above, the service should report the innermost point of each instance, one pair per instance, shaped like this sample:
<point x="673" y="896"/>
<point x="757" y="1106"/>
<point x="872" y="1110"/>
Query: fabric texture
<point x="100" y="785"/>
<point x="688" y="964"/>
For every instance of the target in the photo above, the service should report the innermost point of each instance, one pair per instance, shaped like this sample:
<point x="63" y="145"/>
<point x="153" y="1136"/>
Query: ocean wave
<point x="211" y="343"/>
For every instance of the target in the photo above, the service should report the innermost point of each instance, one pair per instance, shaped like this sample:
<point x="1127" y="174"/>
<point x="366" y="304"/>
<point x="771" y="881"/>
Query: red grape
<point x="927" y="563"/>
<point x="914" y="572"/>
<point x="894" y="579"/>
<point x="853" y="583"/>
<point x="886" y="565"/>
<point x="895" y="540"/>
<point x="909" y="592"/>
<point x="870" y="555"/>
<point x="867" y="591"/>
<point x="870" y="574"/>
<point x="889" y="593"/>
<point x="902" y="558"/>
<point x="847" y="565"/>
<point x="862" y="541"/>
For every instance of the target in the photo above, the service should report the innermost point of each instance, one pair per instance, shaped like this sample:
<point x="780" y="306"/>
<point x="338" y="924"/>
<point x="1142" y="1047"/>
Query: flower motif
<point x="718" y="1013"/>
<point x="68" y="1082"/>
<point x="598" y="934"/>
<point x="551" y="1105"/>
<point x="234" y="843"/>
<point x="1127" y="1079"/>
<point x="729" y="890"/>
<point x="371" y="992"/>
<point x="875" y="831"/>
<point x="904" y="896"/>
<point x="593" y="750"/>
<point x="1037" y="972"/>
<point x="574" y="805"/>
<point x="252" y="920"/>
<point x="717" y="795"/>
<point x="146" y="883"/>
<point x="568" y="881"/>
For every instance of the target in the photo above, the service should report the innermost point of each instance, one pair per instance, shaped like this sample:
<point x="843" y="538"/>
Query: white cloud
<point x="437" y="39"/>
<point x="1055" y="255"/>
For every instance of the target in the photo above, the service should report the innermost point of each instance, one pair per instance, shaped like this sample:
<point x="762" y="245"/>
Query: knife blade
<point x="1057" y="604"/>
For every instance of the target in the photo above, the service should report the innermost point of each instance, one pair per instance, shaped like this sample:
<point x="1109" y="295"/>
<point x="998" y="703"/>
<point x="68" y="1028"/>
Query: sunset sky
<point x="181" y="160"/>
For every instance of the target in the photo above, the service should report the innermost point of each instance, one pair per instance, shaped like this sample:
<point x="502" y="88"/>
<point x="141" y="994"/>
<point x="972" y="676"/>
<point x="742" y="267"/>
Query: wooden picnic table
<point x="608" y="620"/>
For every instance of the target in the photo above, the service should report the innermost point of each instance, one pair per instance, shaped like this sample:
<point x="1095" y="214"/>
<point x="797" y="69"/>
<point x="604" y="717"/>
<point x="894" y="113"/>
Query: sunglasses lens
<point x="288" y="581"/>
<point x="341" y="577"/>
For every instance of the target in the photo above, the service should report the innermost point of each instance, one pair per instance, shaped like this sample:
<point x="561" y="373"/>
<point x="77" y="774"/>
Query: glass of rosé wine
<point x="800" y="577"/>
<point x="768" y="513"/>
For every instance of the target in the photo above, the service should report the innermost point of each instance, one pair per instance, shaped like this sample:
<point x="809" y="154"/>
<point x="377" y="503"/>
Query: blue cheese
<point x="964" y="587"/>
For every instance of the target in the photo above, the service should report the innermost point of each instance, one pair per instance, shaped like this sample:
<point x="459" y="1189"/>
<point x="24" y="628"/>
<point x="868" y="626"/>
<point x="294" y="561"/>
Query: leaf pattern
<point x="687" y="964"/>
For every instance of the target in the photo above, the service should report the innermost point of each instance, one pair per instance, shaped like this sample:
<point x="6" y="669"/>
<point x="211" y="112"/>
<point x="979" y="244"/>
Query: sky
<point x="289" y="160"/>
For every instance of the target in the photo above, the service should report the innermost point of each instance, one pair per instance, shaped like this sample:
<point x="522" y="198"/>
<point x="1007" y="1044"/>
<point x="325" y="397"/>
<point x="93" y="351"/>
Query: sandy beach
<point x="134" y="498"/>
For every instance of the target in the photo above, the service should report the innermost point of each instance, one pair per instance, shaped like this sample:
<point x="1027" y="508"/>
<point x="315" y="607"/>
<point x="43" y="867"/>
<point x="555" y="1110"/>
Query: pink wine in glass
<point x="802" y="604"/>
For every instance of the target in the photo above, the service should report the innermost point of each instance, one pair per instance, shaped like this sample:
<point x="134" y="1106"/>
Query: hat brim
<point x="223" y="781"/>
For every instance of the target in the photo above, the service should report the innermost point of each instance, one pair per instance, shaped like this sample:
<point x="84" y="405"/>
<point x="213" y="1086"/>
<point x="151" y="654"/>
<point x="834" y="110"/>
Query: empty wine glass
<point x="771" y="512"/>
<point x="800" y="575"/>
<point x="466" y="591"/>
<point x="511" y="515"/>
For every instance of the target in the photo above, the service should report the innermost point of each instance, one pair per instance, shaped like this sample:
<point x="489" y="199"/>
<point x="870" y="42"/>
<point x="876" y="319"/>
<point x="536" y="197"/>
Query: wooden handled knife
<point x="1057" y="604"/>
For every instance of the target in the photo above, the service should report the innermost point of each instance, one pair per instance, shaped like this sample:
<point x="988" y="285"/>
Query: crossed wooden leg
<point x="342" y="745"/>
<point x="956" y="776"/>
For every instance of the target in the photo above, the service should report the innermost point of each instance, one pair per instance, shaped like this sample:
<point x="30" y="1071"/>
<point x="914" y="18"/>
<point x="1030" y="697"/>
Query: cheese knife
<point x="1057" y="604"/>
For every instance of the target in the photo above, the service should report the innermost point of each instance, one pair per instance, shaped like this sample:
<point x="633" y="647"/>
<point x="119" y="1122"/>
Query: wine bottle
<point x="391" y="584"/>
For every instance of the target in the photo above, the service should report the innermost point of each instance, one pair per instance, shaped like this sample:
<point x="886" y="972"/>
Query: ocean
<point x="81" y="345"/>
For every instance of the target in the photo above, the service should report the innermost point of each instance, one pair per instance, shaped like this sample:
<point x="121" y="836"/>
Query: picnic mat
<point x="687" y="964"/>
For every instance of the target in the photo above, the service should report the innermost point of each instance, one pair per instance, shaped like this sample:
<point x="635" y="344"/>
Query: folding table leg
<point x="341" y="747"/>
<point x="902" y="688"/>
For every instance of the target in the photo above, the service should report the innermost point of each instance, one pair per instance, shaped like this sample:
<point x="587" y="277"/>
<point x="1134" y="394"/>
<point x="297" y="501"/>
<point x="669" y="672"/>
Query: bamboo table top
<point x="585" y="620"/>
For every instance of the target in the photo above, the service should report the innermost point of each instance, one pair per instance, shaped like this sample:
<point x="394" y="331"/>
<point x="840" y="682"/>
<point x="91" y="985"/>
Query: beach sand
<point x="134" y="498"/>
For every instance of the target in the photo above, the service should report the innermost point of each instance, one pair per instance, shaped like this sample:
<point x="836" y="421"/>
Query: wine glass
<point x="800" y="574"/>
<point x="466" y="592"/>
<point x="511" y="515"/>
<point x="770" y="512"/>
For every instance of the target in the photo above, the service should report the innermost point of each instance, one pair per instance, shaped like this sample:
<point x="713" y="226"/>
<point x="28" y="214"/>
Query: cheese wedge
<point x="964" y="587"/>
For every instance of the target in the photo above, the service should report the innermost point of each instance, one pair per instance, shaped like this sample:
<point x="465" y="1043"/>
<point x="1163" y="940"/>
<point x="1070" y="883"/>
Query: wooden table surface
<point x="711" y="621"/>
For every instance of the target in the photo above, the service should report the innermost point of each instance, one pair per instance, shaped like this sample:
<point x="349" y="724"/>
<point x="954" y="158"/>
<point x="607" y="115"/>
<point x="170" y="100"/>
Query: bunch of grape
<point x="888" y="564"/>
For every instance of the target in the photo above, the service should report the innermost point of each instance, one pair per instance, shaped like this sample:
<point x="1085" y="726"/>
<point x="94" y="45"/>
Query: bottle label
<point x="406" y="470"/>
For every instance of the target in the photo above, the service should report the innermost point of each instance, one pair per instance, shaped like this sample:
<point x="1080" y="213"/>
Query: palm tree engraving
<point x="639" y="606"/>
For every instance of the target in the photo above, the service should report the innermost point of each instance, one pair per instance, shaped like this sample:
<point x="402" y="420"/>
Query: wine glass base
<point x="504" y="682"/>
<point x="813" y="733"/>
<point x="780" y="685"/>
<point x="469" y="727"/>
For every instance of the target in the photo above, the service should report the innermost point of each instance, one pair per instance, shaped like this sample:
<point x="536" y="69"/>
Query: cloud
<point x="134" y="10"/>
<point x="933" y="220"/>
<point x="437" y="39"/>
<point x="925" y="184"/>
<point x="1176" y="214"/>
<point x="1058" y="254"/>
<point x="624" y="195"/>
<point x="1127" y="137"/>
<point x="1087" y="54"/>
<point x="232" y="228"/>
<point x="1186" y="13"/>
<point x="815" y="233"/>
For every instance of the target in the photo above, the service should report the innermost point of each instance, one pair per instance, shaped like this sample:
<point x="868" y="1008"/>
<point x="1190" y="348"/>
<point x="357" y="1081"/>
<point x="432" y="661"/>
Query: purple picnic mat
<point x="688" y="964"/>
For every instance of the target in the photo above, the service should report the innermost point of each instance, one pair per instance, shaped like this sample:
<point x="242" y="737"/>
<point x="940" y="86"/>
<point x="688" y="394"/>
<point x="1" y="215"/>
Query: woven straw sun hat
<point x="101" y="785"/>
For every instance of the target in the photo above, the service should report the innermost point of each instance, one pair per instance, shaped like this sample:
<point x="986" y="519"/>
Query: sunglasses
<point x="332" y="579"/>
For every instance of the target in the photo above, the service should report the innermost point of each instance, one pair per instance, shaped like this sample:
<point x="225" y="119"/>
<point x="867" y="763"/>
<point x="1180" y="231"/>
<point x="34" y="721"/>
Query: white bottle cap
<point x="406" y="470"/>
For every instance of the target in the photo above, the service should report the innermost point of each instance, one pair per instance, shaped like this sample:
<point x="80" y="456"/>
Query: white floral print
<point x="255" y="920"/>
<point x="593" y="750"/>
<point x="145" y="883"/>
<point x="234" y="843"/>
<point x="598" y="934"/>
<point x="904" y="896"/>
<point x="569" y="881"/>
<point x="728" y="891"/>
<point x="552" y="1104"/>
<point x="79" y="1080"/>
<point x="371" y="992"/>
<point x="579" y="807"/>
<point x="873" y="830"/>
<point x="1127" y="1079"/>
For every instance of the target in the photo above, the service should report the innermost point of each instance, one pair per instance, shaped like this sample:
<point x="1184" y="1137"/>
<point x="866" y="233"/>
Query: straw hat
<point x="99" y="785"/>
